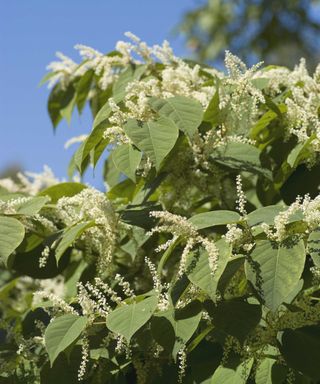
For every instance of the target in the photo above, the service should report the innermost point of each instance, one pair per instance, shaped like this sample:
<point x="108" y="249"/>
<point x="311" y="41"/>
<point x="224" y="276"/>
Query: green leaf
<point x="241" y="156"/>
<point x="184" y="323"/>
<point x="163" y="332"/>
<point x="265" y="120"/>
<point x="313" y="246"/>
<point x="269" y="372"/>
<point x="301" y="349"/>
<point x="32" y="206"/>
<point x="96" y="152"/>
<point x="185" y="112"/>
<point x="69" y="236"/>
<point x="199" y="271"/>
<point x="264" y="215"/>
<point x="232" y="375"/>
<point x="213" y="114"/>
<point x="127" y="159"/>
<point x="128" y="319"/>
<point x="87" y="146"/>
<point x="260" y="82"/>
<point x="59" y="101"/>
<point x="236" y="317"/>
<point x="274" y="270"/>
<point x="83" y="88"/>
<point x="155" y="138"/>
<point x="212" y="218"/>
<point x="26" y="259"/>
<point x="102" y="117"/>
<point x="11" y="235"/>
<point x="62" y="190"/>
<point x="139" y="215"/>
<point x="62" y="332"/>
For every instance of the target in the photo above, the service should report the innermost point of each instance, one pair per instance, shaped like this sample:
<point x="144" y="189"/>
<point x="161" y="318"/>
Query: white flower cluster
<point x="239" y="94"/>
<point x="92" y="205"/>
<point x="10" y="207"/>
<point x="160" y="289"/>
<point x="181" y="228"/>
<point x="306" y="209"/>
<point x="29" y="182"/>
<point x="84" y="358"/>
<point x="302" y="103"/>
<point x="107" y="66"/>
<point x="241" y="198"/>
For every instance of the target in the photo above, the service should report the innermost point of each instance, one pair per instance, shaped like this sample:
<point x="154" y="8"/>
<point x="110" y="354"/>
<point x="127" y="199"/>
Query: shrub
<point x="200" y="264"/>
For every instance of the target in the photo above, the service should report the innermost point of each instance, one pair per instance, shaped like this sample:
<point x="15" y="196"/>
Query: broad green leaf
<point x="199" y="271"/>
<point x="26" y="260"/>
<point x="213" y="114"/>
<point x="96" y="152"/>
<point x="87" y="146"/>
<point x="163" y="332"/>
<point x="128" y="319"/>
<point x="241" y="157"/>
<point x="83" y="87"/>
<point x="301" y="349"/>
<point x="264" y="215"/>
<point x="313" y="246"/>
<point x="233" y="266"/>
<point x="126" y="159"/>
<point x="69" y="236"/>
<point x="236" y="317"/>
<point x="269" y="372"/>
<point x="62" y="332"/>
<point x="32" y="206"/>
<point x="139" y="215"/>
<point x="155" y="138"/>
<point x="121" y="83"/>
<point x="11" y="235"/>
<point x="62" y="190"/>
<point x="66" y="112"/>
<point x="59" y="101"/>
<point x="102" y="117"/>
<point x="265" y="120"/>
<point x="260" y="82"/>
<point x="236" y="375"/>
<point x="124" y="190"/>
<point x="275" y="269"/>
<point x="212" y="218"/>
<point x="185" y="112"/>
<point x="184" y="323"/>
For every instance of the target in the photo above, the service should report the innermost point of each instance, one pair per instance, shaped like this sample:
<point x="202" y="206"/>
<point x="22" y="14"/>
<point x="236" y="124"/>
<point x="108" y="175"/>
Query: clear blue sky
<point x="31" y="31"/>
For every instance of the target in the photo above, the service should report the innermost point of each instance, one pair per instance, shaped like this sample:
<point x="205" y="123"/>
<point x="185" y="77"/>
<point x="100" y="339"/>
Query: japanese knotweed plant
<point x="200" y="263"/>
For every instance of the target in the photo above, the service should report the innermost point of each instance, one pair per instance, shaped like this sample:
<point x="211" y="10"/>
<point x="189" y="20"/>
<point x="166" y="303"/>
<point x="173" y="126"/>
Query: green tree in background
<point x="278" y="31"/>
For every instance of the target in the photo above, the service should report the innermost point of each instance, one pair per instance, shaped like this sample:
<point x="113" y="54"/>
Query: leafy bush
<point x="200" y="264"/>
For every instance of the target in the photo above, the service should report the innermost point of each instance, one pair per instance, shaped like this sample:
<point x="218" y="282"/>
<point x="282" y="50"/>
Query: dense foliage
<point x="200" y="264"/>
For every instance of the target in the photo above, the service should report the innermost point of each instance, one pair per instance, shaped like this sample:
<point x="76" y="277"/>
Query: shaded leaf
<point x="232" y="375"/>
<point x="69" y="236"/>
<point x="301" y="349"/>
<point x="11" y="235"/>
<point x="62" y="332"/>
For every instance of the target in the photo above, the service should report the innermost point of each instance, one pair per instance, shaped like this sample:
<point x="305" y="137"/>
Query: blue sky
<point x="30" y="34"/>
